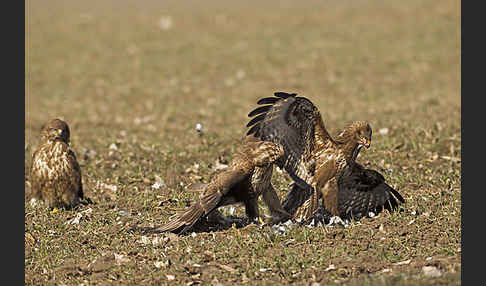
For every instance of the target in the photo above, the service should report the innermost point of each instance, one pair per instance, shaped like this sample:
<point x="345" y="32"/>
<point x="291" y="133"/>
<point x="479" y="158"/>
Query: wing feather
<point x="258" y="118"/>
<point x="364" y="190"/>
<point x="261" y="109"/>
<point x="77" y="173"/>
<point x="288" y="120"/>
<point x="268" y="100"/>
<point x="284" y="94"/>
<point x="213" y="195"/>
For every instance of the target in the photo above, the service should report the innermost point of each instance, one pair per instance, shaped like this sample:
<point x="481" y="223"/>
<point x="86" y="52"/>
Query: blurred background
<point x="160" y="67"/>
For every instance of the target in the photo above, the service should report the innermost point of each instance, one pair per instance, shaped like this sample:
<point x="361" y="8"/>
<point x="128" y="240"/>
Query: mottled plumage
<point x="331" y="161"/>
<point x="313" y="159"/>
<point x="55" y="174"/>
<point x="246" y="178"/>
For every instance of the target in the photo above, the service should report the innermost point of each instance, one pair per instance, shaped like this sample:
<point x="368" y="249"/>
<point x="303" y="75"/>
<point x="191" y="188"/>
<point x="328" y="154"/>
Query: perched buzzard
<point x="312" y="158"/>
<point x="246" y="178"/>
<point x="55" y="174"/>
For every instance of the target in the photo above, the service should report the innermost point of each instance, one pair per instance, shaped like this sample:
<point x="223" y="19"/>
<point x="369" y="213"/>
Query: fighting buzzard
<point x="246" y="178"/>
<point x="361" y="191"/>
<point x="312" y="158"/>
<point x="55" y="174"/>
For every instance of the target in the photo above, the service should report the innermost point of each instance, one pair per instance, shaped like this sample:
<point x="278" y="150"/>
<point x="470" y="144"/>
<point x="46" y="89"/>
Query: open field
<point x="133" y="80"/>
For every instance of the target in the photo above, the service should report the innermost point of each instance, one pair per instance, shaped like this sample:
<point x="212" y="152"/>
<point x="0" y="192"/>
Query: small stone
<point x="330" y="267"/>
<point x="144" y="240"/>
<point x="165" y="22"/>
<point x="404" y="262"/>
<point x="431" y="271"/>
<point x="120" y="258"/>
<point x="383" y="131"/>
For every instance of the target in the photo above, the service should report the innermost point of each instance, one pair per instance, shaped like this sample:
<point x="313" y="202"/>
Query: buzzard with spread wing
<point x="314" y="159"/>
<point x="55" y="174"/>
<point x="246" y="178"/>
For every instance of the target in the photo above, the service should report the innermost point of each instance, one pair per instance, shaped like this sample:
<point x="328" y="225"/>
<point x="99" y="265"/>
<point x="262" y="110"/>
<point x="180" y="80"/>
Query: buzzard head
<point x="362" y="133"/>
<point x="56" y="129"/>
<point x="355" y="136"/>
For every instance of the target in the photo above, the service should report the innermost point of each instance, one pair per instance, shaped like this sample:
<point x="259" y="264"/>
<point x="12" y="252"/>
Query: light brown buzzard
<point x="246" y="178"/>
<point x="55" y="174"/>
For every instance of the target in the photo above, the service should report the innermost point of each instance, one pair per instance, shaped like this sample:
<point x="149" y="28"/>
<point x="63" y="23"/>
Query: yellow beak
<point x="366" y="143"/>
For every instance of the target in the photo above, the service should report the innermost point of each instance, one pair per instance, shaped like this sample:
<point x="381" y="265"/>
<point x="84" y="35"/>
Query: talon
<point x="260" y="220"/>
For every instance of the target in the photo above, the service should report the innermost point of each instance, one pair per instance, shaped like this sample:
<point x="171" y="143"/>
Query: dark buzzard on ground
<point x="361" y="191"/>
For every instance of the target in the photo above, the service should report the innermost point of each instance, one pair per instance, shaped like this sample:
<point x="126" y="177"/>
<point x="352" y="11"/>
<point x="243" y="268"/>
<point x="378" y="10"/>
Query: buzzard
<point x="246" y="178"/>
<point x="55" y="174"/>
<point x="361" y="191"/>
<point x="320" y="165"/>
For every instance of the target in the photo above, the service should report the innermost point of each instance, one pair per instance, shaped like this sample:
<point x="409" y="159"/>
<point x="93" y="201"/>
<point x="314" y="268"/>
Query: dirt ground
<point x="132" y="79"/>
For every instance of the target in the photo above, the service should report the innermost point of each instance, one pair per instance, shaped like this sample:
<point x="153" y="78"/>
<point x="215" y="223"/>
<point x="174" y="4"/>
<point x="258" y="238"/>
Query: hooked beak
<point x="366" y="143"/>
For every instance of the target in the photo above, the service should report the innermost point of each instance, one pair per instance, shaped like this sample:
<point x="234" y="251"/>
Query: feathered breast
<point x="54" y="160"/>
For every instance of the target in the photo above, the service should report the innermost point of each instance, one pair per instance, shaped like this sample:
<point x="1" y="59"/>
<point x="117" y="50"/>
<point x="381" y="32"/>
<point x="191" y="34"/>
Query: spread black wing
<point x="290" y="121"/>
<point x="364" y="190"/>
<point x="360" y="191"/>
